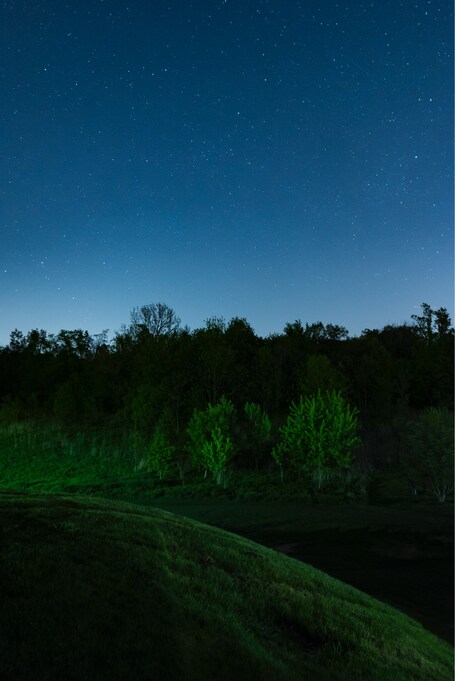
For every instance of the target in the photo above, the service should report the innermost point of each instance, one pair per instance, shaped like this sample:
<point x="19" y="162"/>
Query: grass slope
<point x="95" y="589"/>
<point x="401" y="554"/>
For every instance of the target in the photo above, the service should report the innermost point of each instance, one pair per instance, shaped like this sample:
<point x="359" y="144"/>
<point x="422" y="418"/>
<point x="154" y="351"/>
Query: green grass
<point x="47" y="458"/>
<point x="97" y="589"/>
<point x="401" y="554"/>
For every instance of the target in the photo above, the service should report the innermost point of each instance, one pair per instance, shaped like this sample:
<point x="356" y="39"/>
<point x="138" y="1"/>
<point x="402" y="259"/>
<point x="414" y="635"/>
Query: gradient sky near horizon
<point x="268" y="159"/>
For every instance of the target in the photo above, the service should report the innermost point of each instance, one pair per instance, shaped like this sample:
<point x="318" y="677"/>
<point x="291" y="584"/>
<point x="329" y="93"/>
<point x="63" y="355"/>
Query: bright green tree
<point x="320" y="433"/>
<point x="217" y="452"/>
<point x="208" y="432"/>
<point x="429" y="451"/>
<point x="159" y="454"/>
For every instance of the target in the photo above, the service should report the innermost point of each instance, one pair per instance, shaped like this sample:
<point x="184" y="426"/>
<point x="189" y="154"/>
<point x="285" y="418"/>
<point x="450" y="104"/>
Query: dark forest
<point x="156" y="393"/>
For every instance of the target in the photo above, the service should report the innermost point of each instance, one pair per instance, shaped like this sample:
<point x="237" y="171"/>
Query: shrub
<point x="210" y="443"/>
<point x="159" y="454"/>
<point x="216" y="453"/>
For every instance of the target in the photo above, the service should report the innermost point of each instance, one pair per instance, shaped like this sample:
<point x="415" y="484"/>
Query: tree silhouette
<point x="157" y="319"/>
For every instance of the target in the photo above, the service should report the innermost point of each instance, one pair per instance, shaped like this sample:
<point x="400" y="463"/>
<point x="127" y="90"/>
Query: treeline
<point x="154" y="373"/>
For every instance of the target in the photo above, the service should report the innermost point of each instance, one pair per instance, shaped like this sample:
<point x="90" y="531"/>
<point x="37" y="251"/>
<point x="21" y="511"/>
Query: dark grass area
<point x="402" y="554"/>
<point x="398" y="551"/>
<point x="96" y="589"/>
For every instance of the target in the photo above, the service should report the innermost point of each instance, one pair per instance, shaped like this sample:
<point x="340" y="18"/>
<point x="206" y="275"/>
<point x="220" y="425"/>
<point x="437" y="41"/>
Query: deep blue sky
<point x="268" y="159"/>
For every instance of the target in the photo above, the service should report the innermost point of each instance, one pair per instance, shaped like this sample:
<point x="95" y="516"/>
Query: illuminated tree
<point x="320" y="433"/>
<point x="209" y="433"/>
<point x="159" y="454"/>
<point x="217" y="451"/>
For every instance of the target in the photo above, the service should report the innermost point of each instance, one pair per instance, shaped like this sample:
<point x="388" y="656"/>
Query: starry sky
<point x="268" y="159"/>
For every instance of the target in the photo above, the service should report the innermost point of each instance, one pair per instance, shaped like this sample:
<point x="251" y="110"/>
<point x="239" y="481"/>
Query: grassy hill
<point x="96" y="589"/>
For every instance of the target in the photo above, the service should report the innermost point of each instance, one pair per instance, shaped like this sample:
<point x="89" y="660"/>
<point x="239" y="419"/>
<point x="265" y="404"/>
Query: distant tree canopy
<point x="155" y="320"/>
<point x="432" y="323"/>
<point x="156" y="378"/>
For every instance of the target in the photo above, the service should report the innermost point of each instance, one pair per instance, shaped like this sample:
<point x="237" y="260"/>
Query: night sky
<point x="273" y="160"/>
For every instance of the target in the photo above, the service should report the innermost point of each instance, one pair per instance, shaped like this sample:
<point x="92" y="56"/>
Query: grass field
<point x="401" y="553"/>
<point x="97" y="589"/>
<point x="389" y="546"/>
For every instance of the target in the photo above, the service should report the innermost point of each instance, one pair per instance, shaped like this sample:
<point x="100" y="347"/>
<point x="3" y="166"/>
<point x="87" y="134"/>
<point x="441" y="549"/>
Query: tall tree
<point x="268" y="378"/>
<point x="442" y="321"/>
<point x="424" y="322"/>
<point x="243" y="345"/>
<point x="214" y="358"/>
<point x="336" y="332"/>
<point x="157" y="319"/>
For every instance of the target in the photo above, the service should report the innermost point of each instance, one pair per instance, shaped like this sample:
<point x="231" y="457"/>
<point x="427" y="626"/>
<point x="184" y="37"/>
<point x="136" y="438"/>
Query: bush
<point x="210" y="444"/>
<point x="216" y="453"/>
<point x="159" y="454"/>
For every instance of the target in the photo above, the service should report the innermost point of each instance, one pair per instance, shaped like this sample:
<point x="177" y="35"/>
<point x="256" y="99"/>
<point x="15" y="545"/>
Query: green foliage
<point x="348" y="484"/>
<point x="255" y="436"/>
<point x="321" y="432"/>
<point x="159" y="454"/>
<point x="214" y="358"/>
<point x="429" y="456"/>
<point x="144" y="407"/>
<point x="50" y="458"/>
<point x="260" y="421"/>
<point x="72" y="401"/>
<point x="65" y="407"/>
<point x="279" y="454"/>
<point x="136" y="445"/>
<point x="156" y="373"/>
<point x="205" y="429"/>
<point x="319" y="373"/>
<point x="216" y="453"/>
<point x="9" y="410"/>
